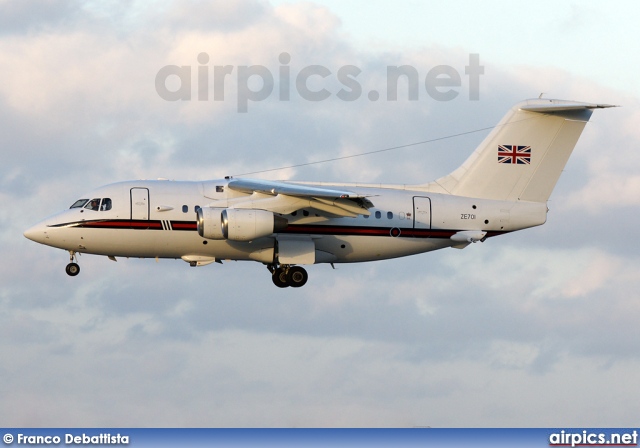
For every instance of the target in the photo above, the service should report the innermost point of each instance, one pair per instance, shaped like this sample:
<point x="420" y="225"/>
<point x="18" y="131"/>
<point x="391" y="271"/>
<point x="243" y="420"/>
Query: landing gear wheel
<point x="73" y="269"/>
<point x="279" y="278"/>
<point x="297" y="276"/>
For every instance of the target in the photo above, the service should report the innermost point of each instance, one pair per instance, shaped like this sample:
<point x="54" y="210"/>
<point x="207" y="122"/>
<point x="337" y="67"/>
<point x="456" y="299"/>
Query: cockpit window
<point x="79" y="203"/>
<point x="93" y="204"/>
<point x="98" y="204"/>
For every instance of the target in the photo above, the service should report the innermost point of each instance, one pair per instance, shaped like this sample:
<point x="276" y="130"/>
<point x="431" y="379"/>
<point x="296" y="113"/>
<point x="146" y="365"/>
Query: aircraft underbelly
<point x="371" y="248"/>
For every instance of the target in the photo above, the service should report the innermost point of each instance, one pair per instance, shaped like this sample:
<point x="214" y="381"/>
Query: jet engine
<point x="237" y="224"/>
<point x="209" y="223"/>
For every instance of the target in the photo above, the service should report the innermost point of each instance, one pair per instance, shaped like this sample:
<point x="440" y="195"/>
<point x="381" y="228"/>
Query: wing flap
<point x="346" y="205"/>
<point x="281" y="203"/>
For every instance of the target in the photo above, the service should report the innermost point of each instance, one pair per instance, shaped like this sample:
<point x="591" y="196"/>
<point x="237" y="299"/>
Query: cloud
<point x="20" y="18"/>
<point x="509" y="332"/>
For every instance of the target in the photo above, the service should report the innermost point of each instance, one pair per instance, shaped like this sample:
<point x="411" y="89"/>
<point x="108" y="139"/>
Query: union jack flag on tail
<point x="520" y="155"/>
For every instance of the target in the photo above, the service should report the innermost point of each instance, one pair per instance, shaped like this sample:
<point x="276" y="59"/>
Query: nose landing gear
<point x="72" y="268"/>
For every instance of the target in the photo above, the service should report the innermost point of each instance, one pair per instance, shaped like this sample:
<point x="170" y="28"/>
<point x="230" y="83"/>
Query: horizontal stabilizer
<point x="561" y="106"/>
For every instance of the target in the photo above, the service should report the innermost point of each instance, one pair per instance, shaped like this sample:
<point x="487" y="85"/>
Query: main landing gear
<point x="285" y="275"/>
<point x="72" y="268"/>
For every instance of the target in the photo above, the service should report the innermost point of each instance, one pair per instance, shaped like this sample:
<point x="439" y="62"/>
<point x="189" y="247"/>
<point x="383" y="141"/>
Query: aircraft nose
<point x="37" y="233"/>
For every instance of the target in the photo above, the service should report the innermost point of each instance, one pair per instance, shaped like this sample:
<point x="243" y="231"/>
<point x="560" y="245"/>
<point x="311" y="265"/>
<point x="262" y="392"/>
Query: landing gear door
<point x="139" y="205"/>
<point x="421" y="212"/>
<point x="296" y="250"/>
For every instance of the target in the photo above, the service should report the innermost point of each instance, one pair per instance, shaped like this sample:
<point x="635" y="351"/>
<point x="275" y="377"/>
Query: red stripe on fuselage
<point x="183" y="225"/>
<point x="291" y="229"/>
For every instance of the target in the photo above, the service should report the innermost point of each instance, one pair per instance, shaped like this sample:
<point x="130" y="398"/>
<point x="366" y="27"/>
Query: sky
<point x="535" y="328"/>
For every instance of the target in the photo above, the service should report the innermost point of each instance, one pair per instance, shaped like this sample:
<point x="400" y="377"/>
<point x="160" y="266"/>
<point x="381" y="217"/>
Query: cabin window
<point x="196" y="208"/>
<point x="305" y="212"/>
<point x="378" y="214"/>
<point x="389" y="215"/>
<point x="185" y="208"/>
<point x="79" y="203"/>
<point x="366" y="216"/>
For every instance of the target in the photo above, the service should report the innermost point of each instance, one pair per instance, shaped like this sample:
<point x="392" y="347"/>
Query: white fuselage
<point x="152" y="219"/>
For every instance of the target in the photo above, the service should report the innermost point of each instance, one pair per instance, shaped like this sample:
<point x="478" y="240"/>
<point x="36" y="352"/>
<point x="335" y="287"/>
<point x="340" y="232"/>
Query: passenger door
<point x="421" y="212"/>
<point x="140" y="208"/>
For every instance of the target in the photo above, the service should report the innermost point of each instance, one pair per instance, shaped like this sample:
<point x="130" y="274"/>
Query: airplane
<point x="502" y="187"/>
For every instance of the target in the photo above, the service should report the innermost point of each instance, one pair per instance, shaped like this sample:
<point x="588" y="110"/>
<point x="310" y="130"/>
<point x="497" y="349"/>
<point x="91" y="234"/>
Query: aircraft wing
<point x="271" y="187"/>
<point x="283" y="197"/>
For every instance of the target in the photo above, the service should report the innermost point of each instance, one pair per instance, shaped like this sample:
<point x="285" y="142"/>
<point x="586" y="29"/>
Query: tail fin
<point x="524" y="155"/>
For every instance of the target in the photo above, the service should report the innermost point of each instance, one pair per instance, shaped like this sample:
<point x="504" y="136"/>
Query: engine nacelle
<point x="248" y="224"/>
<point x="237" y="224"/>
<point x="209" y="223"/>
